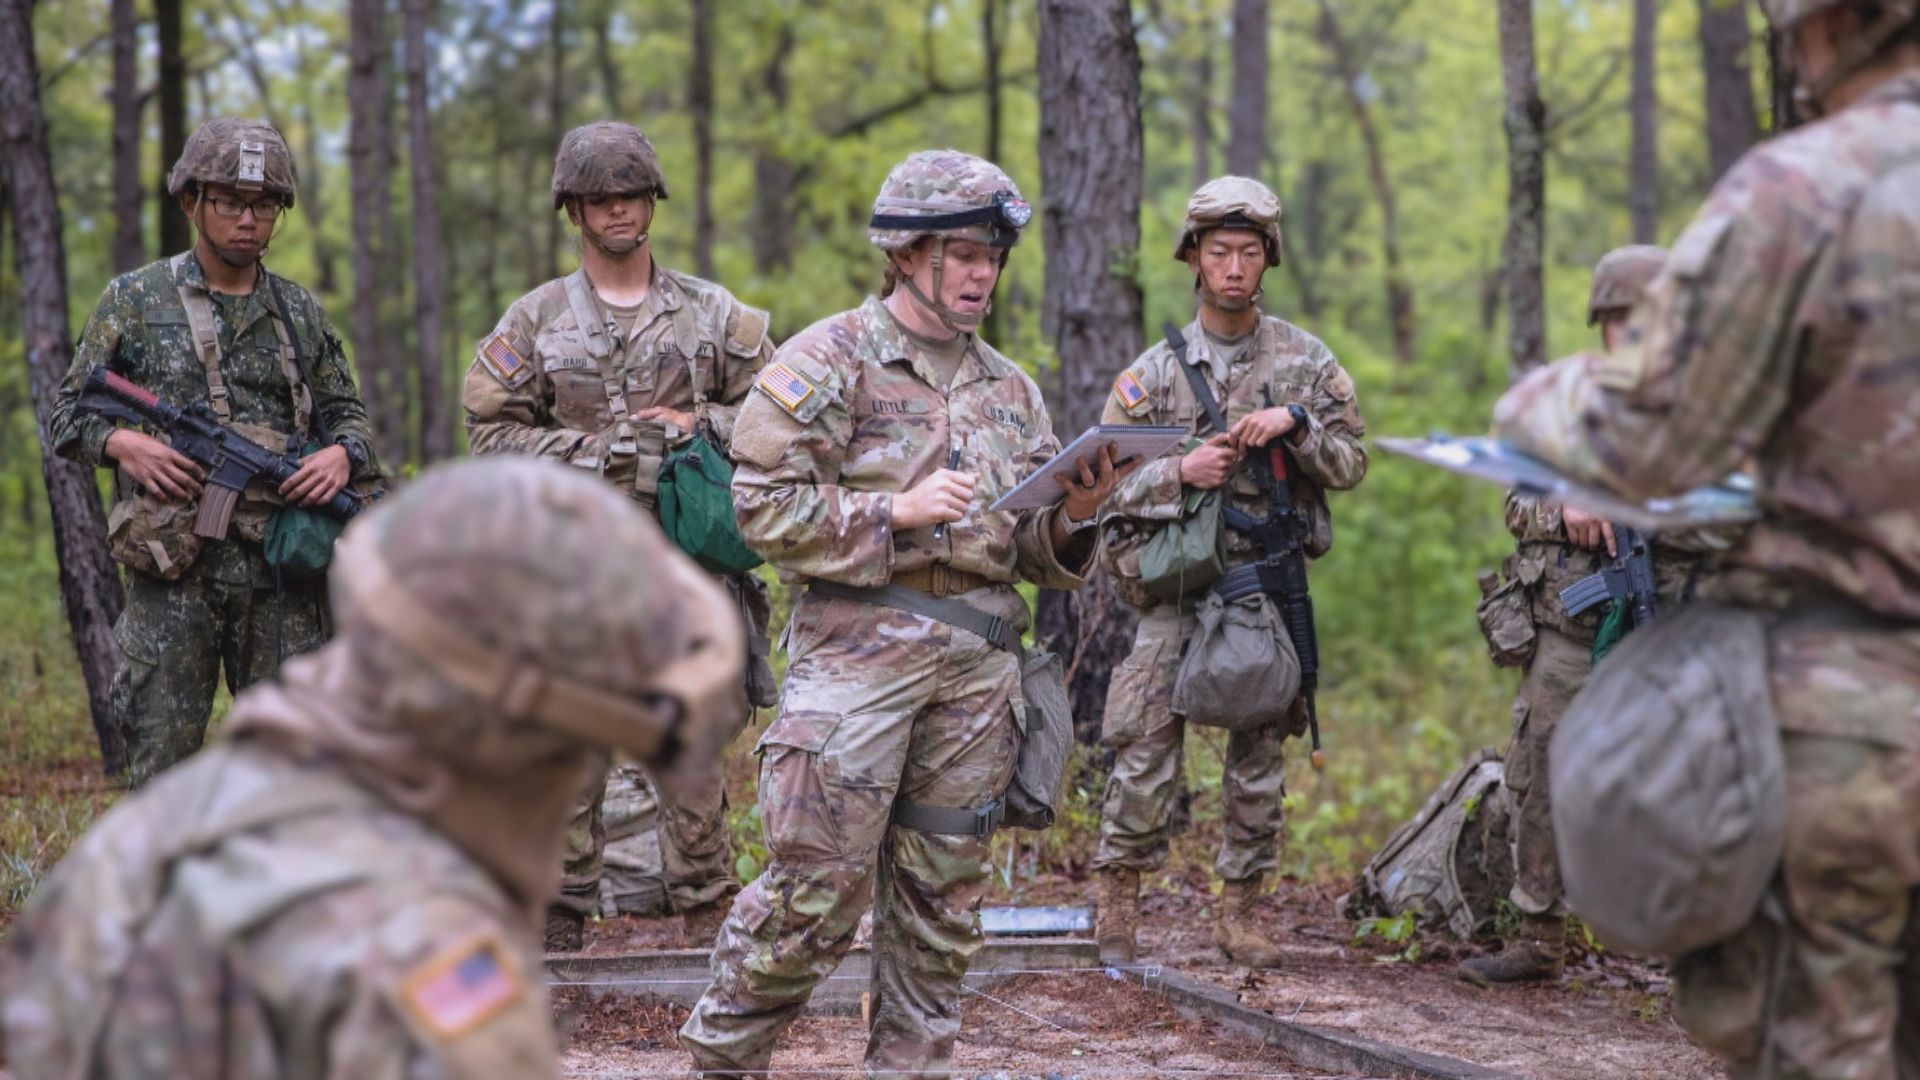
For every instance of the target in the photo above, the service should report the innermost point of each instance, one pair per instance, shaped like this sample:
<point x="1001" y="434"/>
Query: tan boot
<point x="1118" y="915"/>
<point x="703" y="923"/>
<point x="565" y="929"/>
<point x="1538" y="955"/>
<point x="1234" y="929"/>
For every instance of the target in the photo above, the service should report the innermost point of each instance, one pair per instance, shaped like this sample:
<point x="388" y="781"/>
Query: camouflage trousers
<point x="1845" y="966"/>
<point x="696" y="851"/>
<point x="177" y="637"/>
<point x="1559" y="667"/>
<point x="878" y="705"/>
<point x="1148" y="742"/>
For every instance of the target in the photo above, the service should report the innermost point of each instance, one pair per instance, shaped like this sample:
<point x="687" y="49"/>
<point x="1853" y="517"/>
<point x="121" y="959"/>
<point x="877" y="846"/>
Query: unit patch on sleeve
<point x="787" y="387"/>
<point x="504" y="361"/>
<point x="461" y="988"/>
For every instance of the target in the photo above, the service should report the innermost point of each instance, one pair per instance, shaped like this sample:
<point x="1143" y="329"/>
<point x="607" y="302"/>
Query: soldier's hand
<point x="942" y="496"/>
<point x="320" y="477"/>
<point x="1085" y="496"/>
<point x="661" y="414"/>
<point x="1207" y="466"/>
<point x="1589" y="530"/>
<point x="1260" y="428"/>
<point x="170" y="475"/>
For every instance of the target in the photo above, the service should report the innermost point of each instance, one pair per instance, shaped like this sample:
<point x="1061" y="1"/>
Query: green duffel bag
<point x="1186" y="556"/>
<point x="696" y="508"/>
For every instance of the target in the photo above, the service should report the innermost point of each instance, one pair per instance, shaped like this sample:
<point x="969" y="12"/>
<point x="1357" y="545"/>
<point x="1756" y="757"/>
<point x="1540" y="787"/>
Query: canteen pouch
<point x="756" y="614"/>
<point x="151" y="536"/>
<point x="299" y="542"/>
<point x="1045" y="743"/>
<point x="1505" y="612"/>
<point x="1185" y="556"/>
<point x="1240" y="671"/>
<point x="695" y="494"/>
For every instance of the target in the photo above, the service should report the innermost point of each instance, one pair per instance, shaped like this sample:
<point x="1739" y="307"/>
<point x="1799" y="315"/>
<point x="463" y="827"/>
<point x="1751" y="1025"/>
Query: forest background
<point x="1408" y="140"/>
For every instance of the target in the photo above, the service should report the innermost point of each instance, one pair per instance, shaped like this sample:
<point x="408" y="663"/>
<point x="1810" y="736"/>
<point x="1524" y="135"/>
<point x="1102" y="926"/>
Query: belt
<point x="995" y="630"/>
<point x="939" y="579"/>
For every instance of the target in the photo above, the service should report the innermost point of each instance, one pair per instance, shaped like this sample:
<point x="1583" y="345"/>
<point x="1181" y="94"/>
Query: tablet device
<point x="1130" y="442"/>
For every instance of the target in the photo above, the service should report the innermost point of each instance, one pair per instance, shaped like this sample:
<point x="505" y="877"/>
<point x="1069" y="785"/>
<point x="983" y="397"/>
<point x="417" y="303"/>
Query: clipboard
<point x="1129" y="441"/>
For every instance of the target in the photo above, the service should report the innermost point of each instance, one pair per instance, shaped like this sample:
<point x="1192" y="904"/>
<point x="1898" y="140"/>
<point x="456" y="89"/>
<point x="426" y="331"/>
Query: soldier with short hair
<point x="212" y="325"/>
<point x="610" y="369"/>
<point x="350" y="882"/>
<point x="1272" y="381"/>
<point x="869" y="452"/>
<point x="1782" y="331"/>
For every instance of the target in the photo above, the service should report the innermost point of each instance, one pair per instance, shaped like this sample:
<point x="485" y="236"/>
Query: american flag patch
<point x="786" y="386"/>
<point x="1128" y="390"/>
<point x="461" y="988"/>
<point x="507" y="365"/>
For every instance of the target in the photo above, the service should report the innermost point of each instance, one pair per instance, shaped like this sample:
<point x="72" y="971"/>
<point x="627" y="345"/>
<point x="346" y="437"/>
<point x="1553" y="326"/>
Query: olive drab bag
<point x="1189" y="554"/>
<point x="1505" y="614"/>
<point x="1240" y="671"/>
<point x="1669" y="783"/>
<point x="1450" y="864"/>
<point x="1045" y="742"/>
<point x="696" y="508"/>
<point x="299" y="541"/>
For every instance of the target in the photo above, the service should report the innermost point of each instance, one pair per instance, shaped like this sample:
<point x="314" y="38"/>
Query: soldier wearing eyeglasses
<point x="212" y="325"/>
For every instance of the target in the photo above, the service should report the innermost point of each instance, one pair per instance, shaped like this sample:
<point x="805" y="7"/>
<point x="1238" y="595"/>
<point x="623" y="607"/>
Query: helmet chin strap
<point x="1221" y="303"/>
<point x="239" y="260"/>
<point x="960" y="322"/>
<point x="616" y="249"/>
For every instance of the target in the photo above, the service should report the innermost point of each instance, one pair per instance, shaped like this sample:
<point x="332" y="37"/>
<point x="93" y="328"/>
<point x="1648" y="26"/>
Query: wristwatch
<point x="356" y="454"/>
<point x="1074" y="528"/>
<point x="1301" y="422"/>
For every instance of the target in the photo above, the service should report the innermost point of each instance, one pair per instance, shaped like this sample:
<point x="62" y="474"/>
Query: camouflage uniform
<point x="879" y="705"/>
<point x="543" y="383"/>
<point x="1283" y="364"/>
<point x="1782" y="330"/>
<point x="223" y="612"/>
<point x="348" y="884"/>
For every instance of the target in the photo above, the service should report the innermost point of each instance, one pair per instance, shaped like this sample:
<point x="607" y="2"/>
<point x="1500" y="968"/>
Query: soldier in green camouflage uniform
<point x="264" y="356"/>
<point x="889" y="718"/>
<point x="1783" y="331"/>
<point x="608" y="369"/>
<point x="1271" y="380"/>
<point x="350" y="882"/>
<point x="1558" y="546"/>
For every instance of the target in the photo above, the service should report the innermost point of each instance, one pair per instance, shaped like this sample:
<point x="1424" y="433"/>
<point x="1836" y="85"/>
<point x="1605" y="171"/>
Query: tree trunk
<point x="603" y="56"/>
<point x="1526" y="123"/>
<point x="429" y="299"/>
<point x="771" y="229"/>
<point x="700" y="103"/>
<point x="1399" y="294"/>
<point x="128" y="250"/>
<point x="89" y="584"/>
<point x="174" y="233"/>
<point x="1726" y="57"/>
<point x="1200" y="110"/>
<point x="556" y="118"/>
<point x="1306" y="242"/>
<point x="1643" y="194"/>
<point x="368" y="145"/>
<point x="1090" y="168"/>
<point x="994" y="327"/>
<point x="1247" y="108"/>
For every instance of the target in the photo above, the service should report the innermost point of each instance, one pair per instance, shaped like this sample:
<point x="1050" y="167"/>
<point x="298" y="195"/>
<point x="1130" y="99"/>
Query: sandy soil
<point x="1119" y="1030"/>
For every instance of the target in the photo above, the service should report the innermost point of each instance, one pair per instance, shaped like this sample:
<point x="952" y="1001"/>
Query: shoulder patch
<point x="1128" y="390"/>
<point x="460" y="988"/>
<point x="788" y="388"/>
<point x="746" y="330"/>
<point x="506" y="363"/>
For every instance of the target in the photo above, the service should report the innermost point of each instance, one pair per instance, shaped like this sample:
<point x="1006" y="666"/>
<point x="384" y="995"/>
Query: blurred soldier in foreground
<point x="1527" y="626"/>
<point x="610" y="369"/>
<point x="350" y="884"/>
<point x="868" y="454"/>
<point x="1271" y="381"/>
<point x="1784" y="329"/>
<point x="212" y="325"/>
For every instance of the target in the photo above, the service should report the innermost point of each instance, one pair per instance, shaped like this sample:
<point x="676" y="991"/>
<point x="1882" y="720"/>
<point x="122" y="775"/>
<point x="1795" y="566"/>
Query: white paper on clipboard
<point x="1128" y="441"/>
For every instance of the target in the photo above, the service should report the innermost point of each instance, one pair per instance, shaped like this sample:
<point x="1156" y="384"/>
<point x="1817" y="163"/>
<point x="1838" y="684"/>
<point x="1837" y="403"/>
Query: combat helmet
<point x="246" y="154"/>
<point x="1894" y="17"/>
<point x="606" y="158"/>
<point x="948" y="195"/>
<point x="1621" y="278"/>
<point x="547" y="605"/>
<point x="1232" y="202"/>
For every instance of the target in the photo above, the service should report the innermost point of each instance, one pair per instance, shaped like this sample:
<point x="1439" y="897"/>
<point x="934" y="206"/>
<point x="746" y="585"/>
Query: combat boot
<point x="703" y="922"/>
<point x="1539" y="955"/>
<point x="1118" y="914"/>
<point x="565" y="929"/>
<point x="1234" y="930"/>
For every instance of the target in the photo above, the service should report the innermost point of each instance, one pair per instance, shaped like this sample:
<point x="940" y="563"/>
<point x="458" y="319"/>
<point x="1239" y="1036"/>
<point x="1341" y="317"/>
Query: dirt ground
<point x="1608" y="1017"/>
<point x="1118" y="1030"/>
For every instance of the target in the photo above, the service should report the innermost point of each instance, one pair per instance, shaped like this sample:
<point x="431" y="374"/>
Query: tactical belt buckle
<point x="987" y="818"/>
<point x="623" y="441"/>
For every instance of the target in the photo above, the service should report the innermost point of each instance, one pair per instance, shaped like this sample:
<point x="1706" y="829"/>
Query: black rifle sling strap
<point x="1178" y="343"/>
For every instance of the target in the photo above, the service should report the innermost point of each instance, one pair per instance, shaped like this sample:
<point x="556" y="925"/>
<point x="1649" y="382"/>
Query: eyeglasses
<point x="263" y="209"/>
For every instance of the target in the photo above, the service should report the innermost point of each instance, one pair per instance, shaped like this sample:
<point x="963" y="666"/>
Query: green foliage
<point x="1399" y="930"/>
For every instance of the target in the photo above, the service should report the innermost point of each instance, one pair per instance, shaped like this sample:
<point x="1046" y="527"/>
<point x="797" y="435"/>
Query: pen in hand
<point x="940" y="530"/>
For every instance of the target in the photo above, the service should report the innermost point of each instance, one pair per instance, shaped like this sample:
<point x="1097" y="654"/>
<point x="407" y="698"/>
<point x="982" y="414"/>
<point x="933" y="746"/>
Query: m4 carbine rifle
<point x="229" y="458"/>
<point x="1626" y="580"/>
